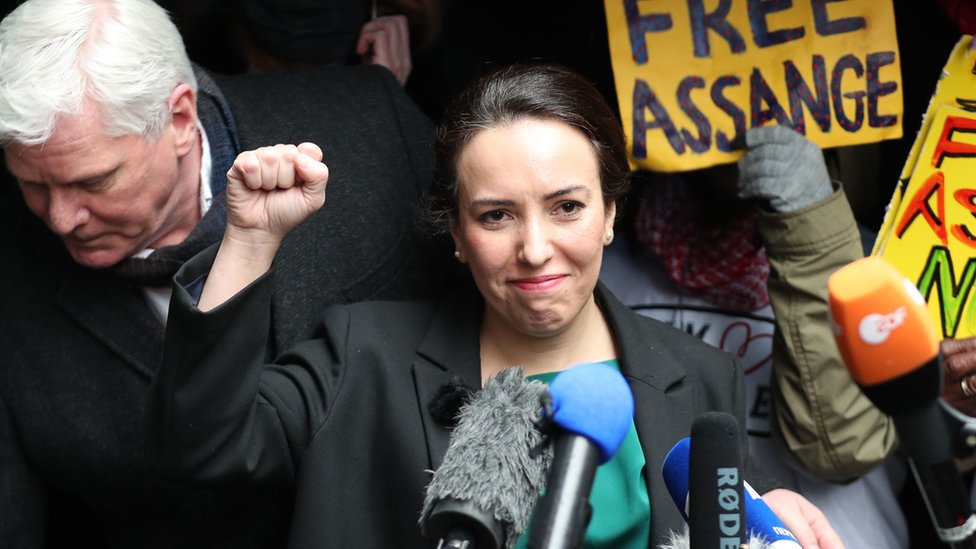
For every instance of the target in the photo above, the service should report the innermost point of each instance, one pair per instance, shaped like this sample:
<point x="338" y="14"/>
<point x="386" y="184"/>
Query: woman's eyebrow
<point x="567" y="190"/>
<point x="491" y="202"/>
<point x="548" y="196"/>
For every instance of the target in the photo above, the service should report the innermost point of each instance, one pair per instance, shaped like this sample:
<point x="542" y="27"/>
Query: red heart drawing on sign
<point x="739" y="340"/>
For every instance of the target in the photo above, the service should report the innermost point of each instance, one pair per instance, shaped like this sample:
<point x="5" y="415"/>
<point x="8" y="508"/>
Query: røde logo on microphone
<point x="875" y="328"/>
<point x="729" y="500"/>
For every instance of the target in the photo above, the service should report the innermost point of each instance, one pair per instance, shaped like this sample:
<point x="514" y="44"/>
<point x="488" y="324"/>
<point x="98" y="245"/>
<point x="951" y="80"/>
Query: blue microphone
<point x="761" y="522"/>
<point x="593" y="408"/>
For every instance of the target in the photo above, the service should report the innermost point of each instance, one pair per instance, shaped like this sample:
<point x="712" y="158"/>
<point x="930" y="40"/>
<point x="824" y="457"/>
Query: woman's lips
<point x="538" y="283"/>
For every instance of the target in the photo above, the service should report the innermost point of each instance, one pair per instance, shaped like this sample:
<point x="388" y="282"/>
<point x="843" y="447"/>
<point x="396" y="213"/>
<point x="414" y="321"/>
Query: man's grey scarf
<point x="159" y="267"/>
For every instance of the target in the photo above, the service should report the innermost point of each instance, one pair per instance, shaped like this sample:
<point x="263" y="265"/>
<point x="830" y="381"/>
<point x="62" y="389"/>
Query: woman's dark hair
<point x="519" y="92"/>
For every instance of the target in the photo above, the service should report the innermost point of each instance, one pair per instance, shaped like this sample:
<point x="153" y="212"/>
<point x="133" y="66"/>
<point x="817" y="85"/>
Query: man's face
<point x="107" y="197"/>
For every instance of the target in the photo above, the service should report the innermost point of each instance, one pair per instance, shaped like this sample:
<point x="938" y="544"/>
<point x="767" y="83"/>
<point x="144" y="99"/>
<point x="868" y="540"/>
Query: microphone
<point x="593" y="408"/>
<point x="715" y="482"/>
<point x="889" y="344"/>
<point x="764" y="525"/>
<point x="716" y="487"/>
<point x="484" y="491"/>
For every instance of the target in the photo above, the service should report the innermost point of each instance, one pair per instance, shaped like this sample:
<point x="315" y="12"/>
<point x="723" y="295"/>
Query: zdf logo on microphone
<point x="875" y="328"/>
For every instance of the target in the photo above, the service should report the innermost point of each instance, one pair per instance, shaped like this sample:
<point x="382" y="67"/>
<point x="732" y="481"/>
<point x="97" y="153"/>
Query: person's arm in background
<point x="808" y="229"/>
<point x="22" y="507"/>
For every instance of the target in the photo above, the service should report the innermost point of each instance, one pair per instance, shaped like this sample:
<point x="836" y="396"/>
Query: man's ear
<point x="183" y="118"/>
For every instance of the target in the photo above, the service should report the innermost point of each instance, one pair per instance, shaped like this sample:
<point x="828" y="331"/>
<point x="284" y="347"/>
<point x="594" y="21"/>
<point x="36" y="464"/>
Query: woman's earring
<point x="609" y="237"/>
<point x="457" y="255"/>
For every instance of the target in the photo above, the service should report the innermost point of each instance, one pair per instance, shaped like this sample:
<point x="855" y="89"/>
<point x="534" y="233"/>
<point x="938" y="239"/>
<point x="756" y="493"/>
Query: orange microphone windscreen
<point x="880" y="322"/>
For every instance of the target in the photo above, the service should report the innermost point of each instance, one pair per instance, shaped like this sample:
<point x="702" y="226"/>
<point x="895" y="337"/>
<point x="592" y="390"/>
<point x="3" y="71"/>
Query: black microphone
<point x="889" y="344"/>
<point x="716" y="511"/>
<point x="703" y="477"/>
<point x="494" y="467"/>
<point x="593" y="408"/>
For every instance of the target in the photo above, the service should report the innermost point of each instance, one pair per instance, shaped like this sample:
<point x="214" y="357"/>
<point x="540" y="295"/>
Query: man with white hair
<point x="119" y="147"/>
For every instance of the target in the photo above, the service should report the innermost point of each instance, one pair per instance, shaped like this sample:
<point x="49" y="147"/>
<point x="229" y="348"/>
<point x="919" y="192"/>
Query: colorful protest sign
<point x="929" y="231"/>
<point x="693" y="74"/>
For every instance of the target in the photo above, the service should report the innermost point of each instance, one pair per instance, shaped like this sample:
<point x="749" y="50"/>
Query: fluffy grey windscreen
<point x="489" y="460"/>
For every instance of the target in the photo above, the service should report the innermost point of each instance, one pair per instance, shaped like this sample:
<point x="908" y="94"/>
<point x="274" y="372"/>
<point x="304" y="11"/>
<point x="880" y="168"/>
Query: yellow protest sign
<point x="693" y="74"/>
<point x="929" y="231"/>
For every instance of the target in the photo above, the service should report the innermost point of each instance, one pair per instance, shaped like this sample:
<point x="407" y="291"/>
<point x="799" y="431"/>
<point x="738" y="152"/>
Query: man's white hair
<point x="125" y="55"/>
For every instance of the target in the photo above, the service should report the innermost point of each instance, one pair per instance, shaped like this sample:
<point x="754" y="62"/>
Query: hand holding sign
<point x="783" y="169"/>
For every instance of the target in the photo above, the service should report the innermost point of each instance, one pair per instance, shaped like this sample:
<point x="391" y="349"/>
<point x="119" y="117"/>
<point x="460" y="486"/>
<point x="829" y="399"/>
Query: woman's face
<point x="532" y="223"/>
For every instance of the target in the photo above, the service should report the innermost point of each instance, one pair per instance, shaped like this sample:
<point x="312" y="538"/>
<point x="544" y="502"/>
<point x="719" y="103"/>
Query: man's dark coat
<point x="79" y="347"/>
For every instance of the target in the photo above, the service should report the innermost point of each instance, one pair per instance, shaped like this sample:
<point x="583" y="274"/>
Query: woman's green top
<point x="621" y="508"/>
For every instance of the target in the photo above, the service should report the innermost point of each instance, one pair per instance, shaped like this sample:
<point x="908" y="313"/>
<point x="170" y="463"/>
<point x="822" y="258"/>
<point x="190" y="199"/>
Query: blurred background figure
<point x="278" y="34"/>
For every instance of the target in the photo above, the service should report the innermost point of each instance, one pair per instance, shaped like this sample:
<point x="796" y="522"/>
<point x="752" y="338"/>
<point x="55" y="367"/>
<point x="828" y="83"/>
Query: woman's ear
<point x="458" y="246"/>
<point x="611" y="215"/>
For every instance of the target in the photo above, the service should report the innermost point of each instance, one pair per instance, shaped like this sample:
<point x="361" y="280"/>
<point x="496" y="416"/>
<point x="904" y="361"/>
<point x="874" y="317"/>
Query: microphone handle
<point x="462" y="524"/>
<point x="563" y="513"/>
<point x="459" y="537"/>
<point x="948" y="507"/>
<point x="928" y="442"/>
